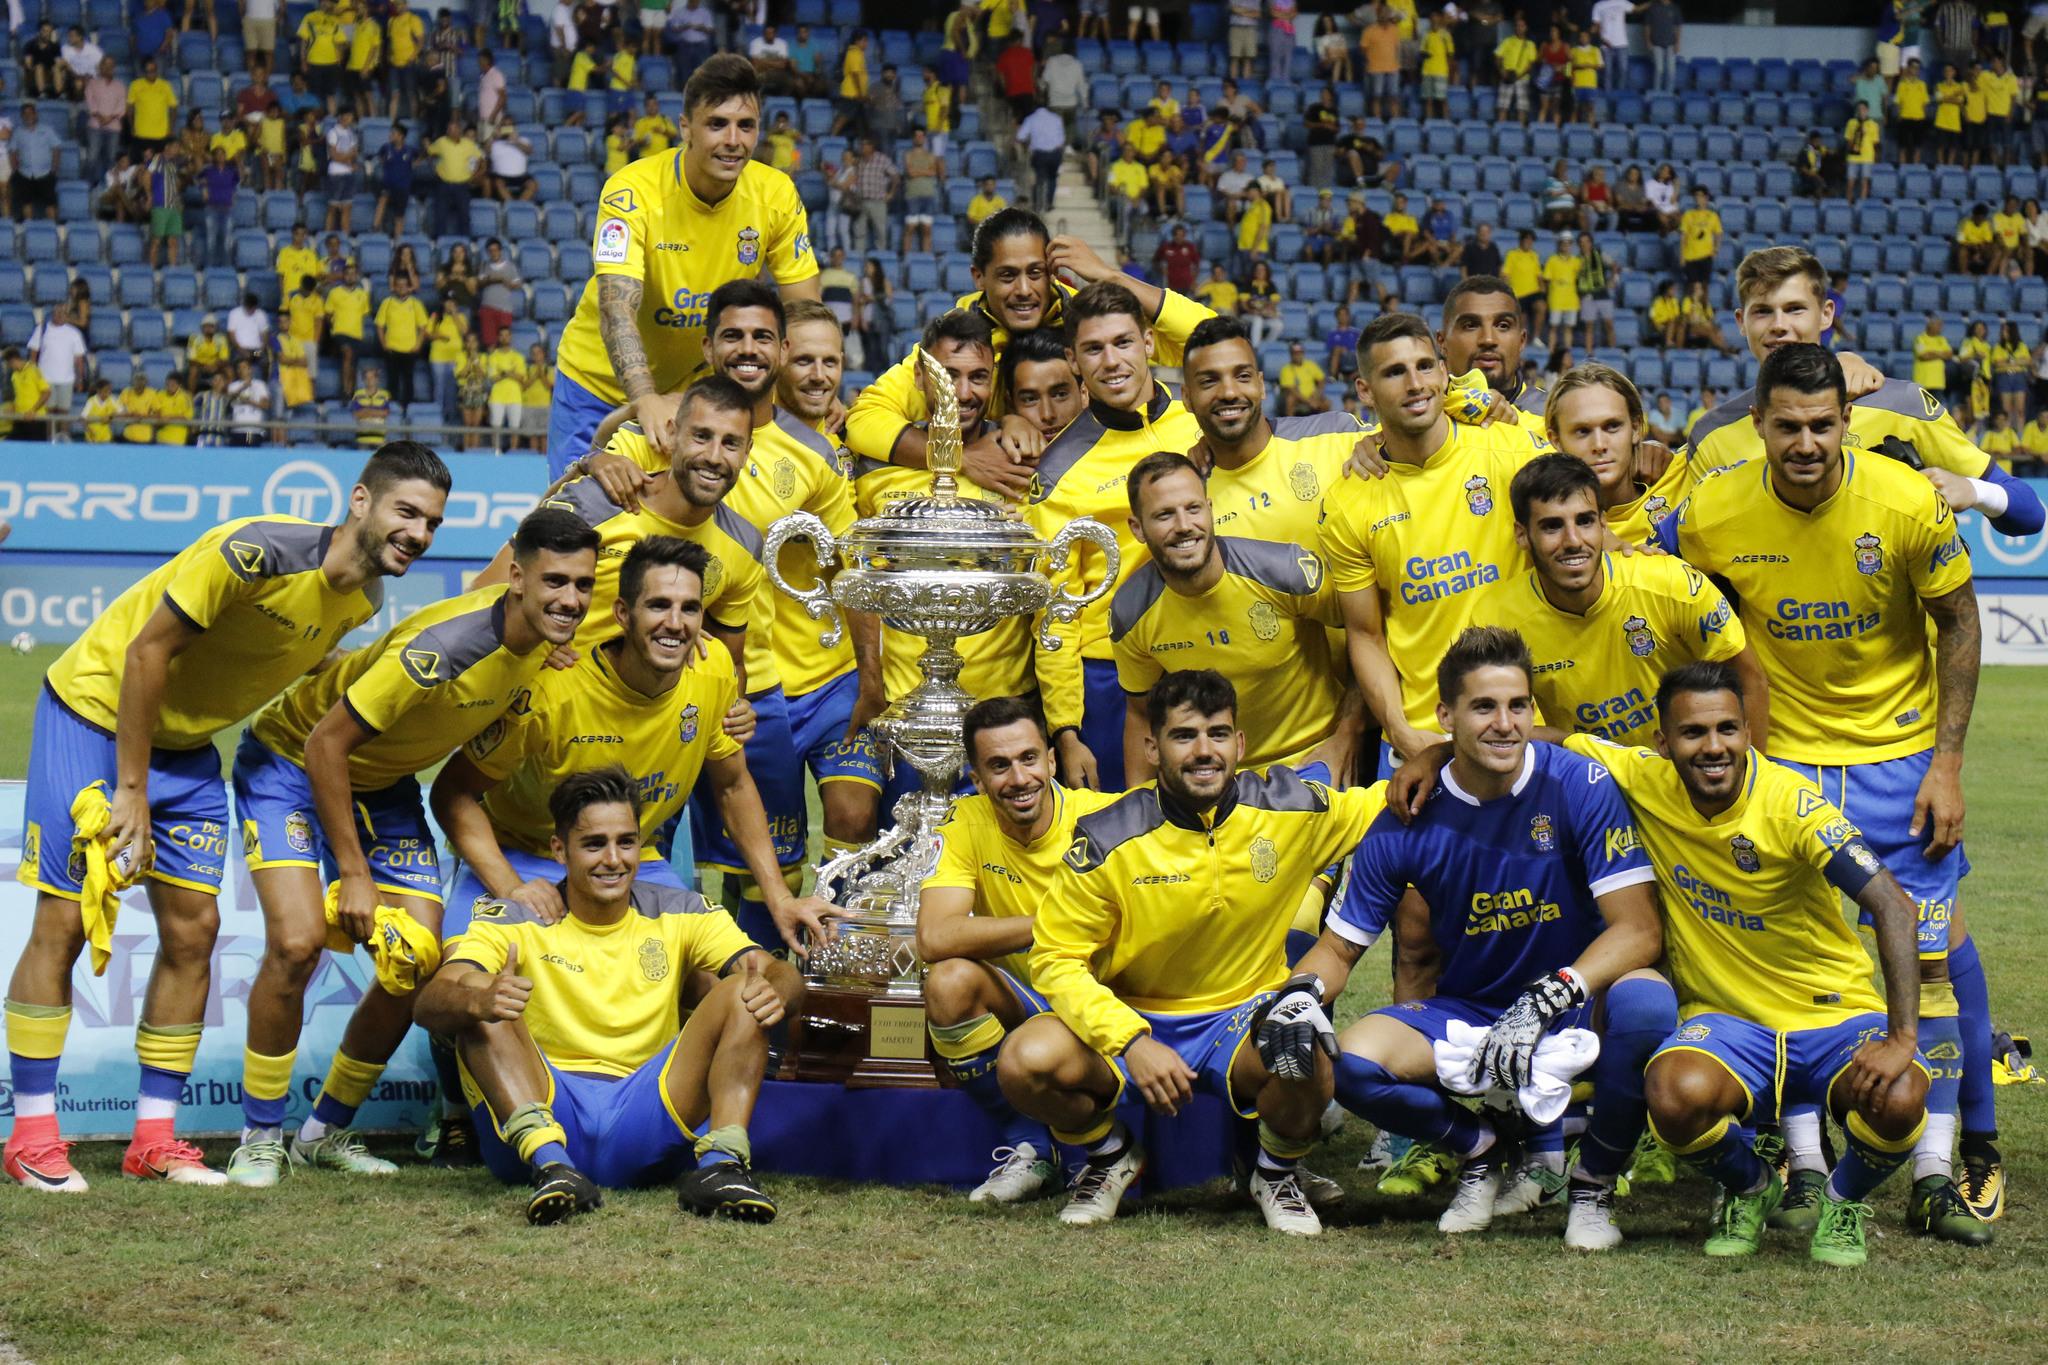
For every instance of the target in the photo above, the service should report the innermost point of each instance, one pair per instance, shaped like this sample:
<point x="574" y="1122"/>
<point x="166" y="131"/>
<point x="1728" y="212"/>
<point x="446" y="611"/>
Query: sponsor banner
<point x="52" y="598"/>
<point x="2015" y="625"/>
<point x="96" y="1087"/>
<point x="2000" y="556"/>
<point x="158" y="500"/>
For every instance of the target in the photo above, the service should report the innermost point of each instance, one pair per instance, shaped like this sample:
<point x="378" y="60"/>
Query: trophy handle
<point x="1068" y="604"/>
<point x="818" y="601"/>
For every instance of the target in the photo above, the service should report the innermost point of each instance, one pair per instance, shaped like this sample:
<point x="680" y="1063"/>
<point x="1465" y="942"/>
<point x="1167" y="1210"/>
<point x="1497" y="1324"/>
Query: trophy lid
<point x="941" y="522"/>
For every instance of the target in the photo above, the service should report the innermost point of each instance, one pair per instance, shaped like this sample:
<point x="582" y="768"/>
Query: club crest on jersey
<point x="298" y="832"/>
<point x="750" y="246"/>
<point x="1693" y="1033"/>
<point x="714" y="577"/>
<point x="1744" y="849"/>
<point x="1864" y="858"/>
<point x="1543" y="834"/>
<point x="1265" y="859"/>
<point x="1656" y="507"/>
<point x="653" y="959"/>
<point x="1640" y="642"/>
<point x="1265" y="620"/>
<point x="784" y="476"/>
<point x="1869" y="554"/>
<point x="687" y="725"/>
<point x="1303" y="483"/>
<point x="1478" y="495"/>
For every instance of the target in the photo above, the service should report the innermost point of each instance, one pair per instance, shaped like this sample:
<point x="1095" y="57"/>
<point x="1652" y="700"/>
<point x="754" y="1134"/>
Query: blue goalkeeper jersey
<point x="1511" y="882"/>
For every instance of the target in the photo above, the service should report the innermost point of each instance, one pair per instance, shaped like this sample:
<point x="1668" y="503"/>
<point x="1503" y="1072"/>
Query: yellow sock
<point x="965" y="1039"/>
<point x="348" y="1084"/>
<point x="531" y="1127"/>
<point x="169" y="1047"/>
<point x="37" y="1031"/>
<point x="266" y="1081"/>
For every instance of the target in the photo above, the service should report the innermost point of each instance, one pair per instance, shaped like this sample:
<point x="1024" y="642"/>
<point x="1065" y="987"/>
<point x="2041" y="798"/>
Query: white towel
<point x="1560" y="1058"/>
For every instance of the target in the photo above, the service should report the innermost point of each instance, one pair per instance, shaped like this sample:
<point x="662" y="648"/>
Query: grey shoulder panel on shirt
<point x="1100" y="833"/>
<point x="274" y="549"/>
<point x="374" y="591"/>
<point x="1065" y="452"/>
<point x="1533" y="399"/>
<point x="587" y="499"/>
<point x="1280" y="788"/>
<point x="457" y="643"/>
<point x="1732" y="410"/>
<point x="739" y="528"/>
<point x="1903" y="397"/>
<point x="1134" y="599"/>
<point x="806" y="435"/>
<point x="1319" y="424"/>
<point x="654" y="900"/>
<point x="1271" y="563"/>
<point x="863" y="466"/>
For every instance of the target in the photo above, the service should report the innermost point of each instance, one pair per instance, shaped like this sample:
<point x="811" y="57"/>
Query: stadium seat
<point x="146" y="330"/>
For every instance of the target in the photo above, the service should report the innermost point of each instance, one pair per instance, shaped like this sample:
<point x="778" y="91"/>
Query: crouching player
<point x="585" y="1073"/>
<point x="998" y="857"/>
<point x="1541" y="906"/>
<point x="1772" y="984"/>
<point x="1161" y="944"/>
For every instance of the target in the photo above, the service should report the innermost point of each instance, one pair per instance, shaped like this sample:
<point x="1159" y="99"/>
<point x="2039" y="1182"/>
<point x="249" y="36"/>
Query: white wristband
<point x="1991" y="499"/>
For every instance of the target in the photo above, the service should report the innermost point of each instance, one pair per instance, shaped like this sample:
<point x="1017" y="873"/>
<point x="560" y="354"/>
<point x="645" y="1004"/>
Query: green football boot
<point x="1937" y="1207"/>
<point x="1838" y="1231"/>
<point x="1742" y="1219"/>
<point x="1799" y="1211"/>
<point x="1422" y="1167"/>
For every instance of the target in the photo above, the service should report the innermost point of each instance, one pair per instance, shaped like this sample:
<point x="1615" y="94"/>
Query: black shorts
<point x="324" y="81"/>
<point x="35" y="192"/>
<point x="1909" y="133"/>
<point x="515" y="185"/>
<point x="1698" y="272"/>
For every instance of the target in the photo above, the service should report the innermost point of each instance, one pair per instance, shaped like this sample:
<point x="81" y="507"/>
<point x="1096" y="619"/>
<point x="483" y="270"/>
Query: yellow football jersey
<point x="1634" y="522"/>
<point x="1083" y="474"/>
<point x="254" y="588"/>
<point x="1278" y="494"/>
<point x="651" y="227"/>
<point x="1832" y="601"/>
<point x="1159" y="910"/>
<point x="735" y="586"/>
<point x="1264" y="625"/>
<point x="606" y="997"/>
<point x="1598" y="673"/>
<point x="423" y="689"/>
<point x="1753" y="922"/>
<point x="792" y="468"/>
<point x="1424" y="537"/>
<point x="1726" y="436"/>
<point x="1009" y="878"/>
<point x="997" y="662"/>
<point x="587" y="716"/>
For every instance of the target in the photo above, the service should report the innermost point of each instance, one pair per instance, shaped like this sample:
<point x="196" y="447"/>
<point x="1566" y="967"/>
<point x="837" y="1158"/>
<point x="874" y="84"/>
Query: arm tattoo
<point x="618" y="322"/>
<point x="1958" y="642"/>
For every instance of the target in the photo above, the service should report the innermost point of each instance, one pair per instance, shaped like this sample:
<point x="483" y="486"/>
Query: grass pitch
<point x="439" y="1266"/>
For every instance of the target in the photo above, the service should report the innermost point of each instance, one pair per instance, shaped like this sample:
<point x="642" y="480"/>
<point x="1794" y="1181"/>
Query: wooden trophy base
<point x="861" y="1040"/>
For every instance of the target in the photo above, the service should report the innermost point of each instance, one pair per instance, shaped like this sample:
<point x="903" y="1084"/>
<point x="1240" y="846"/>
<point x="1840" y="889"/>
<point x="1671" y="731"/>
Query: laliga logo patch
<point x="1478" y="496"/>
<point x="1265" y="859"/>
<point x="1543" y="834"/>
<point x="1693" y="1033"/>
<point x="1869" y="554"/>
<point x="1265" y="620"/>
<point x="687" y="725"/>
<point x="1640" y="642"/>
<point x="298" y="832"/>
<point x="653" y="959"/>
<point x="613" y="239"/>
<point x="1303" y="483"/>
<point x="750" y="246"/>
<point x="1744" y="849"/>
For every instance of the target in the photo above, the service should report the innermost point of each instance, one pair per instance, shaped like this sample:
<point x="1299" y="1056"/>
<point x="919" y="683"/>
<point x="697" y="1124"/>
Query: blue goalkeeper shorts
<point x="621" y="1131"/>
<point x="1208" y="1042"/>
<point x="1777" y="1069"/>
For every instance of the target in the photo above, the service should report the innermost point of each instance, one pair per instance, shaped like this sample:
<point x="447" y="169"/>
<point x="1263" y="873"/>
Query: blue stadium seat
<point x="1878" y="335"/>
<point x="550" y="302"/>
<point x="1923" y="295"/>
<point x="574" y="258"/>
<point x="2030" y="296"/>
<point x="1683" y="371"/>
<point x="179" y="287"/>
<point x="106" y="332"/>
<point x="146" y="331"/>
<point x="252" y="251"/>
<point x="1739" y="75"/>
<point x="485" y="219"/>
<point x="1887" y="296"/>
<point x="49" y="285"/>
<point x="534" y="259"/>
<point x="185" y="324"/>
<point x="14" y="283"/>
<point x="522" y="220"/>
<point x="40" y="243"/>
<point x="1960" y="295"/>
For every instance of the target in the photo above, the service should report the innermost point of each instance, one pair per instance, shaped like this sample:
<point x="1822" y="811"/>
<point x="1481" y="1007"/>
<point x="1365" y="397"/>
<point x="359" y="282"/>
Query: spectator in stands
<point x="1242" y="36"/>
<point x="348" y="309"/>
<point x="1219" y="292"/>
<point x="1610" y="23"/>
<point x="1522" y="268"/>
<point x="42" y="63"/>
<point x="805" y="74"/>
<point x="1597" y="212"/>
<point x="1360" y="238"/>
<point x="174" y="408"/>
<point x="269" y="128"/>
<point x="166" y="208"/>
<point x="1254" y="230"/>
<point x="79" y="61"/>
<point x="563" y="40"/>
<point x="1438" y="48"/>
<point x="2033" y="458"/>
<point x="248" y="400"/>
<point x="1166" y="181"/>
<point x="1553" y="78"/>
<point x="886" y="118"/>
<point x="536" y="396"/>
<point x="2033" y="249"/>
<point x="58" y="350"/>
<point x="206" y="352"/>
<point x="473" y="392"/>
<point x="1342" y="345"/>
<point x="655" y="132"/>
<point x="405" y="35"/>
<point x="1974" y="247"/>
<point x="1301" y="384"/>
<point x="838" y="287"/>
<point x="873" y="314"/>
<point x="1933" y="358"/>
<point x="1702" y="328"/>
<point x="28" y="398"/>
<point x="1665" y="23"/>
<point x="1559" y="201"/>
<point x="401" y="322"/>
<point x="1664" y="423"/>
<point x="1380" y="44"/>
<point x="1043" y="137"/>
<point x="853" y="86"/>
<point x="1233" y="187"/>
<point x="1667" y="316"/>
<point x="938" y="111"/>
<point x="123" y="193"/>
<point x="1178" y="261"/>
<point x="36" y="145"/>
<point x="1587" y="63"/>
<point x="1662" y="192"/>
<point x="511" y="157"/>
<point x="100" y="410"/>
<point x="1064" y="82"/>
<point x="1515" y="60"/>
<point x="219" y="181"/>
<point x="2011" y="368"/>
<point x="106" y="112"/>
<point x="1258" y="303"/>
<point x="1017" y="76"/>
<point x="691" y="31"/>
<point x="211" y="410"/>
<point x="363" y="71"/>
<point x="1129" y="183"/>
<point x="1278" y="193"/>
<point x="1561" y="292"/>
<point x="1103" y="147"/>
<point x="457" y="168"/>
<point x="397" y="162"/>
<point x="2002" y="103"/>
<point x="1597" y="273"/>
<point x="447" y="333"/>
<point x="152" y="31"/>
<point x="1481" y="254"/>
<point x="875" y="178"/>
<point x="344" y="157"/>
<point x="1811" y="165"/>
<point x="501" y="291"/>
<point x="923" y="173"/>
<point x="769" y="53"/>
<point x="507" y="371"/>
<point x="1699" y="237"/>
<point x="370" y="407"/>
<point x="138" y="402"/>
<point x="2008" y="238"/>
<point x="1364" y="159"/>
<point x="1333" y="51"/>
<point x="1950" y="97"/>
<point x="1910" y="99"/>
<point x="1632" y="203"/>
<point x="322" y="38"/>
<point x="248" y="331"/>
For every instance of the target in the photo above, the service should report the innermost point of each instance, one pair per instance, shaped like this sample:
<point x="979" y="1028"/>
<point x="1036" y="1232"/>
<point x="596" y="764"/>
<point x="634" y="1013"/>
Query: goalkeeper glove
<point x="1294" y="1027"/>
<point x="1508" y="1049"/>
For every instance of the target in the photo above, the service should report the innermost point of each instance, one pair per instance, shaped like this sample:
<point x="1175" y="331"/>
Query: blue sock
<point x="549" y="1154"/>
<point x="1973" y="1000"/>
<point x="33" y="1075"/>
<point x="333" y="1112"/>
<point x="158" y="1084"/>
<point x="1732" y="1163"/>
<point x="1864" y="1165"/>
<point x="1640" y="1014"/>
<point x="1548" y="1138"/>
<point x="976" y="1074"/>
<point x="1421" y="1112"/>
<point x="716" y="1156"/>
<point x="1941" y="1042"/>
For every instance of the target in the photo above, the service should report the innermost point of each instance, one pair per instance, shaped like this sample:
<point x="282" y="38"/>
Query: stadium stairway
<point x="1077" y="212"/>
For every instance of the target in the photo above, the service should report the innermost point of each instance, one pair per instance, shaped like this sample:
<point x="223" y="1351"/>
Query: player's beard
<point x="1174" y="782"/>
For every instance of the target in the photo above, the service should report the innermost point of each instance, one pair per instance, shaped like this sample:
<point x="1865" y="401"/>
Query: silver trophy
<point x="941" y="567"/>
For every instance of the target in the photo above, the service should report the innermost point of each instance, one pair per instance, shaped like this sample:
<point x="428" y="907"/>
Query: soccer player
<point x="576" y="1054"/>
<point x="1256" y="612"/>
<point x="126" y="722"/>
<point x="1016" y="264"/>
<point x="1603" y="628"/>
<point x="1783" y="292"/>
<point x="1406" y="552"/>
<point x="1484" y="329"/>
<point x="670" y="230"/>
<point x="999" y="855"/>
<point x="1774" y="989"/>
<point x="1596" y="413"/>
<point x="1082" y="474"/>
<point x="1541" y="907"/>
<point x="331" y="813"/>
<point x="1161" y="943"/>
<point x="1038" y="377"/>
<point x="1838" y="564"/>
<point x="813" y="363"/>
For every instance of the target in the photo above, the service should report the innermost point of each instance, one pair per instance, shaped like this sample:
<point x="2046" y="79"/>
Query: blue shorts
<point x="574" y="413"/>
<point x="188" y="804"/>
<point x="464" y="890"/>
<point x="621" y="1131"/>
<point x="1878" y="797"/>
<point x="1208" y="1042"/>
<point x="1777" y="1070"/>
<point x="274" y="802"/>
<point x="1432" y="1017"/>
<point x="817" y="722"/>
<point x="904" y="780"/>
<point x="778" y="772"/>
<point x="1102" y="720"/>
<point x="1028" y="999"/>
